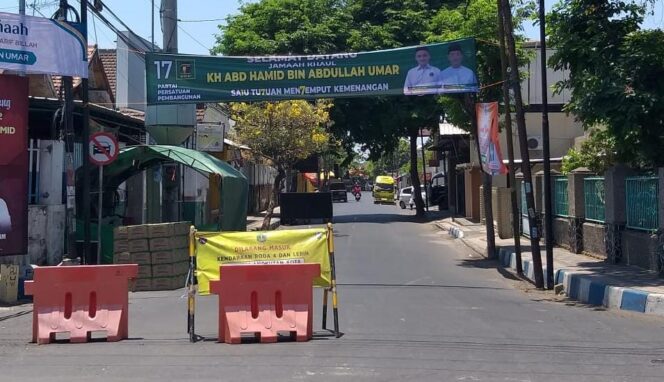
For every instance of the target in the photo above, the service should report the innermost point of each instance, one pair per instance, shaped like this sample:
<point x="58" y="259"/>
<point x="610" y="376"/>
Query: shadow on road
<point x="386" y="218"/>
<point x="489" y="264"/>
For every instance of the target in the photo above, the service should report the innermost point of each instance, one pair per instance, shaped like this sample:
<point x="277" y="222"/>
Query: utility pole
<point x="21" y="7"/>
<point x="68" y="113"/>
<point x="169" y="22"/>
<point x="424" y="172"/>
<point x="510" y="144"/>
<point x="523" y="145"/>
<point x="546" y="153"/>
<point x="85" y="137"/>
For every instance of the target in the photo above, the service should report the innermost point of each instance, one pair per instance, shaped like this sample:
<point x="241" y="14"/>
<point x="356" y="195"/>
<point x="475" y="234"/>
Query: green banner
<point x="428" y="69"/>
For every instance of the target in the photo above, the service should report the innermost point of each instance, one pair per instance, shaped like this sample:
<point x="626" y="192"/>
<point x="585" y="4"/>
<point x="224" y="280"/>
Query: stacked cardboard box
<point x="160" y="250"/>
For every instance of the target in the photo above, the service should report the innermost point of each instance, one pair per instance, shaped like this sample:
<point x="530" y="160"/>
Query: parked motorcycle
<point x="358" y="196"/>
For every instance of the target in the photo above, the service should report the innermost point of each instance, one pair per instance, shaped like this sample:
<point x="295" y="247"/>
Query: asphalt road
<point x="414" y="306"/>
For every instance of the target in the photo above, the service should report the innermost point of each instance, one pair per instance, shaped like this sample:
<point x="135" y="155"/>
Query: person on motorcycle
<point x="356" y="188"/>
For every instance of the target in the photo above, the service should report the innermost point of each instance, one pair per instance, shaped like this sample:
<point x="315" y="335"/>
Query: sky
<point x="196" y="34"/>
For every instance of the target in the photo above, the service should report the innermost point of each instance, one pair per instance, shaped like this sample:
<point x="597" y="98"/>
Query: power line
<point x="200" y="21"/>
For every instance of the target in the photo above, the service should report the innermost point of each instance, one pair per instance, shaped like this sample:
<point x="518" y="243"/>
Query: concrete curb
<point x="452" y="230"/>
<point x="593" y="290"/>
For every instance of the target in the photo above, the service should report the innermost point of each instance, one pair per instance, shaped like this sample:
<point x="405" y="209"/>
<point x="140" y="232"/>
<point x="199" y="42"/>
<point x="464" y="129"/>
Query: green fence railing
<point x="594" y="198"/>
<point x="560" y="197"/>
<point x="642" y="202"/>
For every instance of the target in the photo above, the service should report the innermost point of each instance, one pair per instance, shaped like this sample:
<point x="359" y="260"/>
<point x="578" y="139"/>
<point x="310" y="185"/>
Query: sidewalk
<point x="585" y="279"/>
<point x="255" y="222"/>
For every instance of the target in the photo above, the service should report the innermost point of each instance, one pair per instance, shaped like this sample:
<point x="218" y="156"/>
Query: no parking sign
<point x="103" y="149"/>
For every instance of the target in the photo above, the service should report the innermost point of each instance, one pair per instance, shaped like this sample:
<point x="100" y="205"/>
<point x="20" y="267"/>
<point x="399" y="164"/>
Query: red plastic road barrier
<point x="265" y="301"/>
<point x="80" y="300"/>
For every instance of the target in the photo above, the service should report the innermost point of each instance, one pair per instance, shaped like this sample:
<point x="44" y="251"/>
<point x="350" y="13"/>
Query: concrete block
<point x="634" y="300"/>
<point x="512" y="260"/>
<point x="584" y="289"/>
<point x="559" y="276"/>
<point x="613" y="297"/>
<point x="596" y="293"/>
<point x="574" y="286"/>
<point x="655" y="304"/>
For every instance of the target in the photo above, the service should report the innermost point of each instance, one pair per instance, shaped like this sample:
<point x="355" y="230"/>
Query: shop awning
<point x="135" y="159"/>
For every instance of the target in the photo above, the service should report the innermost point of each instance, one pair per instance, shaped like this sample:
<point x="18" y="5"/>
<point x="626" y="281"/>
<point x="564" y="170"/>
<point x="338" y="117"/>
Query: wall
<point x="638" y="248"/>
<point x="130" y="88"/>
<point x="473" y="181"/>
<point x="531" y="85"/>
<point x="593" y="239"/>
<point x="561" y="232"/>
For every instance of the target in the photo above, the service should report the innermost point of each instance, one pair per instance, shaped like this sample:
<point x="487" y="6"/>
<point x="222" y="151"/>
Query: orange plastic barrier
<point x="80" y="300"/>
<point x="265" y="301"/>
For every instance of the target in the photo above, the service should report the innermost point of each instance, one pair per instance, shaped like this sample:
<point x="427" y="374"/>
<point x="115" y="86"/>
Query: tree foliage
<point x="616" y="74"/>
<point x="597" y="153"/>
<point x="285" y="132"/>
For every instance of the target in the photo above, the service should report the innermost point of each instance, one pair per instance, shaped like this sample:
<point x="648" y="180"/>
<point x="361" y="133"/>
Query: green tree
<point x="616" y="74"/>
<point x="285" y="132"/>
<point x="285" y="27"/>
<point x="597" y="153"/>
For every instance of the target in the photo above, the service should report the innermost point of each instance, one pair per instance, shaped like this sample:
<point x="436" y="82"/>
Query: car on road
<point x="411" y="202"/>
<point x="338" y="191"/>
<point x="404" y="197"/>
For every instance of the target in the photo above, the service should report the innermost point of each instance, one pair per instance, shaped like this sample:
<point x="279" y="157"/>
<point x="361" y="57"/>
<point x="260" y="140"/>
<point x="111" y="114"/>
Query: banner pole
<point x="191" y="291"/>
<point x="325" y="290"/>
<point x="334" y="280"/>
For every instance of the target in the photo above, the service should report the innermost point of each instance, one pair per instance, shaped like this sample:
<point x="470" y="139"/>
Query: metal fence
<point x="594" y="198"/>
<point x="642" y="202"/>
<point x="560" y="197"/>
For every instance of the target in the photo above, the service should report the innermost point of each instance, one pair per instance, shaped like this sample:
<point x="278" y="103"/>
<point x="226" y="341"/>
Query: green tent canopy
<point x="135" y="159"/>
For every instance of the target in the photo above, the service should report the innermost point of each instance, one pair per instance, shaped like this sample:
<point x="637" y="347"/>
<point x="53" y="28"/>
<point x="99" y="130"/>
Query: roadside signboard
<point x="13" y="165"/>
<point x="441" y="68"/>
<point x="38" y="45"/>
<point x="103" y="149"/>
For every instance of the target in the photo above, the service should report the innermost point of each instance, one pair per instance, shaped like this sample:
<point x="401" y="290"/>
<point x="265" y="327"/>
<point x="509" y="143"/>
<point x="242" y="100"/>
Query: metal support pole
<point x="546" y="153"/>
<point x="85" y="137"/>
<point x="21" y="7"/>
<point x="424" y="173"/>
<point x="523" y="144"/>
<point x="99" y="211"/>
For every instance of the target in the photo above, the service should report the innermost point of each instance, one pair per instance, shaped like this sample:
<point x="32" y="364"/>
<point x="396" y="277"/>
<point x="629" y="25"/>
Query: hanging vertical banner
<point x="13" y="165"/>
<point x="42" y="46"/>
<point x="489" y="138"/>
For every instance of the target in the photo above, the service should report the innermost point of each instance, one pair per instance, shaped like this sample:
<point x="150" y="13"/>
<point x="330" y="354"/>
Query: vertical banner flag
<point x="13" y="165"/>
<point x="488" y="134"/>
<point x="38" y="45"/>
<point x="448" y="67"/>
